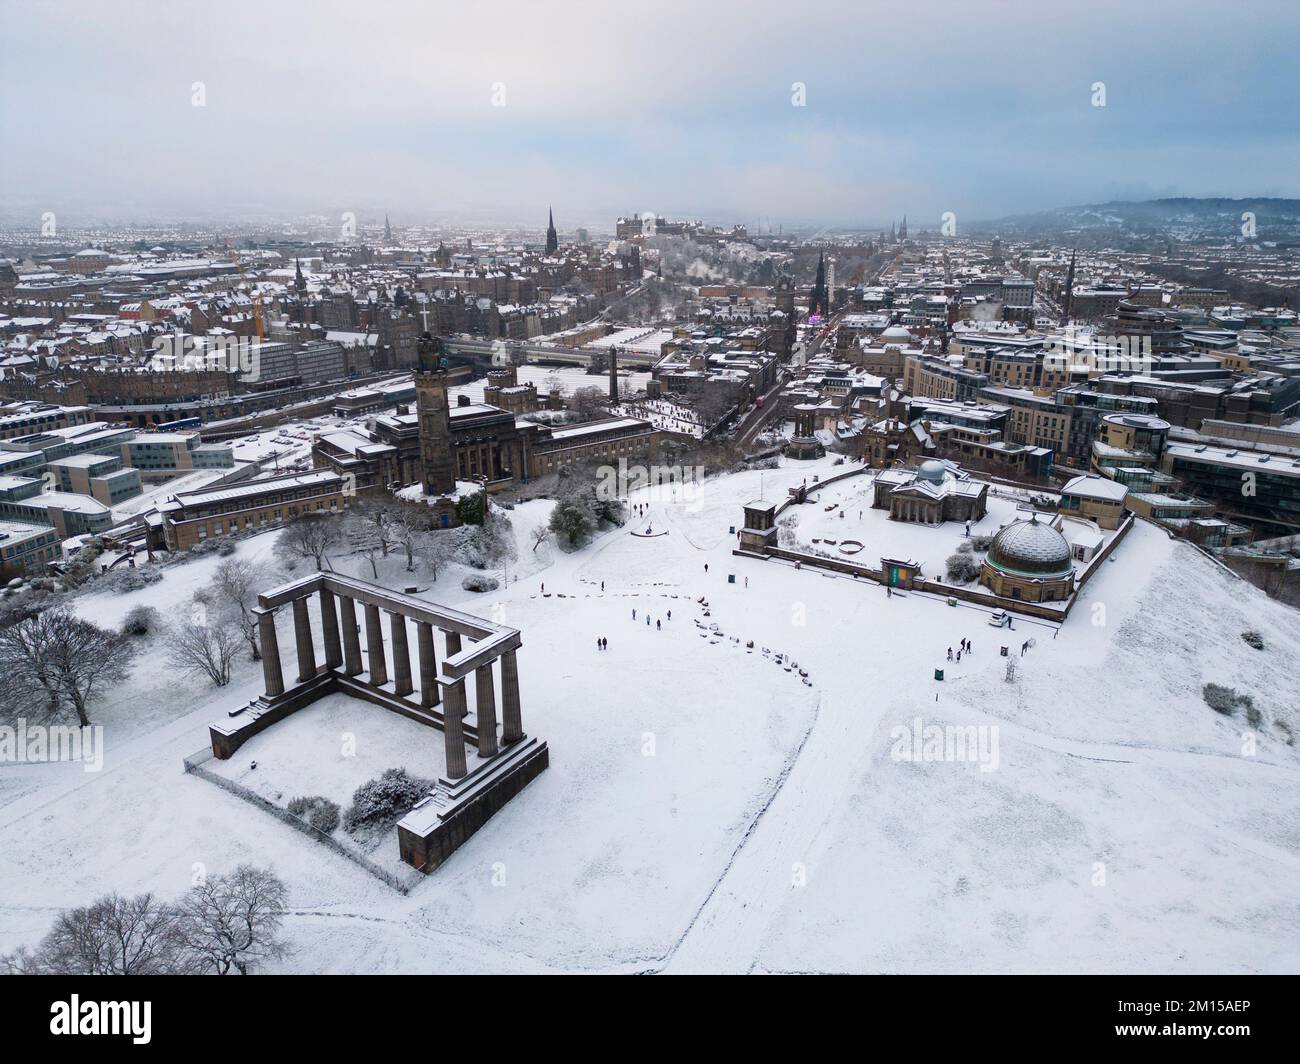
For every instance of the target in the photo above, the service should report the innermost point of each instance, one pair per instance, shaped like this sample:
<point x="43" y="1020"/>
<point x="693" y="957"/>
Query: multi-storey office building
<point x="1249" y="486"/>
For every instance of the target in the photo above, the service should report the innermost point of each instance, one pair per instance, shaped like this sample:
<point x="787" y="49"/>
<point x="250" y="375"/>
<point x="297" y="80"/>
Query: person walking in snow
<point x="670" y="615"/>
<point x="706" y="567"/>
<point x="634" y="615"/>
<point x="950" y="653"/>
<point x="747" y="581"/>
<point x="1023" y="647"/>
<point x="658" y="627"/>
<point x="647" y="620"/>
<point x="969" y="648"/>
<point x="602" y="585"/>
<point x="543" y="587"/>
<point x="959" y="657"/>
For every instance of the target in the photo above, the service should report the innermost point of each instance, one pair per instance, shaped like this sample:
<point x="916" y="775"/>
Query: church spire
<point x="552" y="240"/>
<point x="817" y="301"/>
<point x="1069" y="288"/>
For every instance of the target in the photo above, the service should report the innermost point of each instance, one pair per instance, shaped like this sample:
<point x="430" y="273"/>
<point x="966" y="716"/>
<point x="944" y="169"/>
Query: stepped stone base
<point x="432" y="831"/>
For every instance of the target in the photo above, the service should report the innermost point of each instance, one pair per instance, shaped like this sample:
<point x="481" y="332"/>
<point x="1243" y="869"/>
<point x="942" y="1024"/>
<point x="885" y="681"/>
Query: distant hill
<point x="1179" y="218"/>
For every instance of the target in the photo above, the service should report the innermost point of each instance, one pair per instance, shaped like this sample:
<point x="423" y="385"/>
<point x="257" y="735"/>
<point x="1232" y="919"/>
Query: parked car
<point x="1000" y="619"/>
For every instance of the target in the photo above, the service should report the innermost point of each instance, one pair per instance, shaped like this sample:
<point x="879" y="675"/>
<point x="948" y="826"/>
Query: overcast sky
<point x="980" y="107"/>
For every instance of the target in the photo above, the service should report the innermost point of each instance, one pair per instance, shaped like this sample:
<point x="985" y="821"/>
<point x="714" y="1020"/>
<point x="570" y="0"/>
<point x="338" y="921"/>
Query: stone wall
<point x="194" y="766"/>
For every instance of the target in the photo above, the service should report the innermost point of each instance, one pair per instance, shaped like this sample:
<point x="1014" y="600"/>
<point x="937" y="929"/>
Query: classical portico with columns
<point x="489" y="757"/>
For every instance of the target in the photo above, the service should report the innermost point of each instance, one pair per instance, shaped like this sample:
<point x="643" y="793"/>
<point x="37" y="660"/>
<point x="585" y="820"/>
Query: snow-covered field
<point x="571" y="379"/>
<point x="706" y="811"/>
<point x="664" y="414"/>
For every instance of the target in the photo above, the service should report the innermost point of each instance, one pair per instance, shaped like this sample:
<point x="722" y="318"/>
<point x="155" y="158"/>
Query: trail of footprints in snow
<point x="711" y="632"/>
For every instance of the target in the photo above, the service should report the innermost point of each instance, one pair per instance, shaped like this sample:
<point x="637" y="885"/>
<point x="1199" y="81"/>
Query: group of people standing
<point x="963" y="648"/>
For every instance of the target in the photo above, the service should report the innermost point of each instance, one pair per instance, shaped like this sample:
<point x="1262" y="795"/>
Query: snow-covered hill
<point x="707" y="811"/>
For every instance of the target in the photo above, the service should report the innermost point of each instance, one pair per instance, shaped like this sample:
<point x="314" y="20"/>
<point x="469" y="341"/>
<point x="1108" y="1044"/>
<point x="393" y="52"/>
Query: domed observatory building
<point x="1029" y="561"/>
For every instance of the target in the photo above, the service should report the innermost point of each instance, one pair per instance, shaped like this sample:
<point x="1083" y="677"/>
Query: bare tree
<point x="357" y="531"/>
<point x="230" y="922"/>
<point x="234" y="588"/>
<point x="207" y="648"/>
<point x="57" y="659"/>
<point x="112" y="936"/>
<point x="436" y="550"/>
<point x="411" y="523"/>
<point x="310" y="537"/>
<point x="540" y="534"/>
<point x="590" y="403"/>
<point x="27" y="683"/>
<point x="374" y="516"/>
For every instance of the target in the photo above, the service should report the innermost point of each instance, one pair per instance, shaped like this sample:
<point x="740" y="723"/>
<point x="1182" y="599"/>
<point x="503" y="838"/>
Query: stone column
<point x="401" y="655"/>
<point x="485" y="698"/>
<point x="428" y="664"/>
<point x="375" y="646"/>
<point x="270" y="647"/>
<point x="330" y="622"/>
<point x="512" y="722"/>
<point x="351" y="641"/>
<point x="453" y="734"/>
<point x="302" y="636"/>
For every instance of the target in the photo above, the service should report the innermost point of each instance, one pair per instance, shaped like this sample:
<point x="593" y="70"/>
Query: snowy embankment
<point x="705" y="810"/>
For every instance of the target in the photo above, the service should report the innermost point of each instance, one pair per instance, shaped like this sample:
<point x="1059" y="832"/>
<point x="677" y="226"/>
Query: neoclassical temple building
<point x="489" y="757"/>
<point x="935" y="492"/>
<point x="1029" y="561"/>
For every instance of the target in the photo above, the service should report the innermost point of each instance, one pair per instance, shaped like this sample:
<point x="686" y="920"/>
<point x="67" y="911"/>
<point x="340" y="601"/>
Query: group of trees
<point x="963" y="566"/>
<point x="53" y="662"/>
<point x="581" y="509"/>
<point x="653" y="300"/>
<point x="221" y="622"/>
<point x="226" y="923"/>
<point x="310" y="537"/>
<point x="373" y="527"/>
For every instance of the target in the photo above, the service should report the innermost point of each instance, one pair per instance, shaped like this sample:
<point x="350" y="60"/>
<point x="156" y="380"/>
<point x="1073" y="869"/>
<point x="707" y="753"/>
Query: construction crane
<point x="257" y="296"/>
